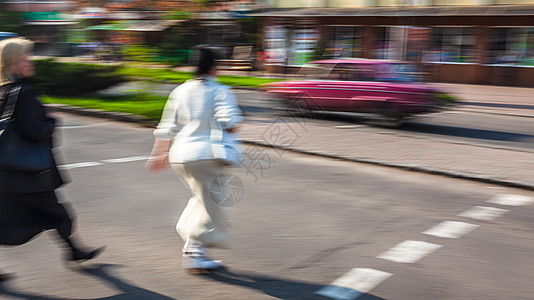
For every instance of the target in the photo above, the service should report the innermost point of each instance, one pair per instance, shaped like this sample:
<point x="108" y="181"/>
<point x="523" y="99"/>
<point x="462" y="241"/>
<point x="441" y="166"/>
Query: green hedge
<point x="67" y="79"/>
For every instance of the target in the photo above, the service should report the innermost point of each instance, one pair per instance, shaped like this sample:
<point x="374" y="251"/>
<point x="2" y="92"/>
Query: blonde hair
<point x="11" y="52"/>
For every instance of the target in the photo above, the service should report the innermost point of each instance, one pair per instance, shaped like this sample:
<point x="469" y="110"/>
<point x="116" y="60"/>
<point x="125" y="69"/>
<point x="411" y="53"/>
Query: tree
<point x="10" y="21"/>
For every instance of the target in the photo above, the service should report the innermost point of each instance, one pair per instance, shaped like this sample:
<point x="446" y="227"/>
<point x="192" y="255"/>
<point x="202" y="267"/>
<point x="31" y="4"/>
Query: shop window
<point x="452" y="45"/>
<point x="404" y="43"/>
<point x="293" y="43"/>
<point x="511" y="46"/>
<point x="343" y="41"/>
<point x="382" y="43"/>
<point x="303" y="42"/>
<point x="276" y="37"/>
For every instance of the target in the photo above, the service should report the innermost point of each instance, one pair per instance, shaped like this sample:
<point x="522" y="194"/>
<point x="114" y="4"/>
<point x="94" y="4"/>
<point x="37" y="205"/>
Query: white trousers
<point x="203" y="219"/>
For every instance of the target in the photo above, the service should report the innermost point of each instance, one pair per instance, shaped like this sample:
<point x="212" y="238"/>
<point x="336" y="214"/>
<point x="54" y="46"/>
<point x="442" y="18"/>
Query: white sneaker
<point x="194" y="259"/>
<point x="196" y="262"/>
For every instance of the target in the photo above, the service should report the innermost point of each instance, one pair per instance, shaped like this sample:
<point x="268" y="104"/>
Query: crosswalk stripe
<point x="409" y="251"/>
<point x="511" y="200"/>
<point x="483" y="213"/>
<point x="354" y="284"/>
<point x="451" y="229"/>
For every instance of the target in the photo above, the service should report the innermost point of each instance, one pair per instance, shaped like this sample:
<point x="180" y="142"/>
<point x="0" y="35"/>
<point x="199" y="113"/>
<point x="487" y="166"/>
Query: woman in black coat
<point x="28" y="202"/>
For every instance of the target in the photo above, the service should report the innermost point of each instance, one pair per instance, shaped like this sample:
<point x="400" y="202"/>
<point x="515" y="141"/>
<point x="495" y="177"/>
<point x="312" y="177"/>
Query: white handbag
<point x="224" y="146"/>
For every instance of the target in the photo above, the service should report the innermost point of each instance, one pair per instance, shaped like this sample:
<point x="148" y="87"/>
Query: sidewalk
<point x="485" y="164"/>
<point x="503" y="100"/>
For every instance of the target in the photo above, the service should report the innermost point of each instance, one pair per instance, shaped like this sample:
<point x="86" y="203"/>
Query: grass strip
<point x="142" y="104"/>
<point x="178" y="76"/>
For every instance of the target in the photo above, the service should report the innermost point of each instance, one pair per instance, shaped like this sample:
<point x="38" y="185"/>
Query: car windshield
<point x="315" y="71"/>
<point x="382" y="72"/>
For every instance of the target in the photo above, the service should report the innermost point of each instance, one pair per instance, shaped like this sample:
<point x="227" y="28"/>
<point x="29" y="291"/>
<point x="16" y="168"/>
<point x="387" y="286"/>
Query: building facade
<point x="48" y="23"/>
<point x="474" y="42"/>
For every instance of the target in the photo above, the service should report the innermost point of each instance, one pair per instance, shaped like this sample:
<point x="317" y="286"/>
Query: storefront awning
<point x="51" y="23"/>
<point x="48" y="18"/>
<point x="427" y="11"/>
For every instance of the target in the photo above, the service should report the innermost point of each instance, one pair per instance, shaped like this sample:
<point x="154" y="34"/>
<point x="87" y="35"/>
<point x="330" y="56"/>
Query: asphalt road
<point x="303" y="222"/>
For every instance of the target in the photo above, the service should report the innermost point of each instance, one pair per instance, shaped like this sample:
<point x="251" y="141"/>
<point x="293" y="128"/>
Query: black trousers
<point x="23" y="216"/>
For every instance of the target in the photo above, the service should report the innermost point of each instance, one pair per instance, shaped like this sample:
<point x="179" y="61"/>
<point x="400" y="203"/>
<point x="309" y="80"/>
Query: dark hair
<point x="206" y="61"/>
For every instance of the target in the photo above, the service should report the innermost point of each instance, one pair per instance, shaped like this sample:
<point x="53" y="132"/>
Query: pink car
<point x="387" y="90"/>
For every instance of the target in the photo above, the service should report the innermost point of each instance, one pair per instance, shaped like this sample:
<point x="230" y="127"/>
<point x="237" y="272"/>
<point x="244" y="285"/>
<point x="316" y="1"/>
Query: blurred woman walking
<point x="196" y="136"/>
<point x="28" y="201"/>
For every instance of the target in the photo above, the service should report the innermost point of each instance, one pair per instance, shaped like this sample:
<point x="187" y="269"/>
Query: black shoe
<point x="80" y="255"/>
<point x="5" y="276"/>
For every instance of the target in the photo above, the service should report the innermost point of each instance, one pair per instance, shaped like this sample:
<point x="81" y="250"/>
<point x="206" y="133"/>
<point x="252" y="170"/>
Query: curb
<point x="491" y="113"/>
<point x="406" y="167"/>
<point x="115" y="116"/>
<point x="131" y="118"/>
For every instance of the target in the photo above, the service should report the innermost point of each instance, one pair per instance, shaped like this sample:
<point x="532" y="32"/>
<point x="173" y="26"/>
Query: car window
<point x="352" y="72"/>
<point x="315" y="71"/>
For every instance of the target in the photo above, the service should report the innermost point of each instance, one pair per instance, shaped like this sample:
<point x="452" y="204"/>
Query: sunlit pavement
<point x="304" y="224"/>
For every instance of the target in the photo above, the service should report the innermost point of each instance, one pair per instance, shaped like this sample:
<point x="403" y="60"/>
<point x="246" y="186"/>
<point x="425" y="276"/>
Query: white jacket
<point x="195" y="116"/>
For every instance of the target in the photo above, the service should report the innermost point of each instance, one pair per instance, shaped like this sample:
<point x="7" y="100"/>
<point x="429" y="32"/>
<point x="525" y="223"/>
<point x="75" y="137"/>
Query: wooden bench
<point x="241" y="59"/>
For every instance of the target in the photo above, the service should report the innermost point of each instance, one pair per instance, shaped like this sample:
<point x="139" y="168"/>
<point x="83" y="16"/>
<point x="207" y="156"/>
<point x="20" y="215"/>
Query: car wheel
<point x="393" y="118"/>
<point x="388" y="117"/>
<point x="296" y="107"/>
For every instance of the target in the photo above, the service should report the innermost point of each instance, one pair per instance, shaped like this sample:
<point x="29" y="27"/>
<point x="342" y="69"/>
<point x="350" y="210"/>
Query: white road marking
<point x="348" y="126"/>
<point x="354" y="284"/>
<point x="126" y="159"/>
<point x="511" y="200"/>
<point x="81" y="126"/>
<point x="483" y="213"/>
<point x="79" y="165"/>
<point x="409" y="251"/>
<point x="105" y="161"/>
<point x="451" y="229"/>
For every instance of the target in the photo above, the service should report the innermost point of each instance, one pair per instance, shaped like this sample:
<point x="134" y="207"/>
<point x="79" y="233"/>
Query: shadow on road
<point x="499" y="105"/>
<point x="100" y="272"/>
<point x="455" y="131"/>
<point x="274" y="287"/>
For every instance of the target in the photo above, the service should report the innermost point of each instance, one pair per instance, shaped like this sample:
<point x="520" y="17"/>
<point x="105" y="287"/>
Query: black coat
<point x="32" y="121"/>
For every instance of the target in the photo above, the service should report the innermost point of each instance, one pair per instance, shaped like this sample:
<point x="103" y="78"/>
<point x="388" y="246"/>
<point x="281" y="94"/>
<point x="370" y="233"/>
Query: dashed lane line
<point x="451" y="229"/>
<point x="409" y="251"/>
<point x="126" y="159"/>
<point x="79" y="165"/>
<point x="359" y="281"/>
<point x="511" y="200"/>
<point x="354" y="284"/>
<point x="105" y="161"/>
<point x="82" y="126"/>
<point x="484" y="213"/>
